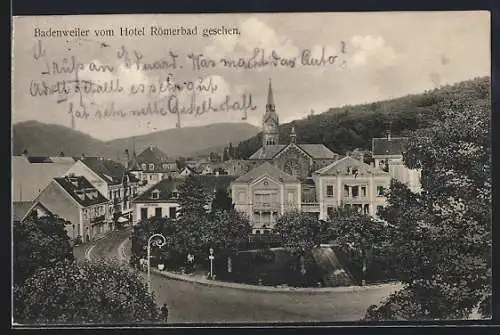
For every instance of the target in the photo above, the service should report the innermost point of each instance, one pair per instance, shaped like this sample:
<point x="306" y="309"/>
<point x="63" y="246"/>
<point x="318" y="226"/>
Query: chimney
<point x="61" y="154"/>
<point x="25" y="152"/>
<point x="83" y="156"/>
<point x="389" y="135"/>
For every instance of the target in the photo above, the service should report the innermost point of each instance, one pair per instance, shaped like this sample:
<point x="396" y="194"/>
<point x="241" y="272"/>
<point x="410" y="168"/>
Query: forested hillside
<point x="346" y="128"/>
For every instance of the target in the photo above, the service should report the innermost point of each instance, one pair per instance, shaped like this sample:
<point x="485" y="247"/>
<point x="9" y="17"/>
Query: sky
<point x="380" y="55"/>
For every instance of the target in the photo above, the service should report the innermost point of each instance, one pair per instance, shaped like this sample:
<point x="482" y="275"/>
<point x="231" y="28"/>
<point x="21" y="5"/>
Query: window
<point x="329" y="191"/>
<point x="165" y="166"/>
<point x="158" y="211"/>
<point x="155" y="194"/>
<point x="355" y="172"/>
<point x="363" y="191"/>
<point x="144" y="213"/>
<point x="346" y="191"/>
<point x="366" y="209"/>
<point x="355" y="191"/>
<point x="143" y="166"/>
<point x="172" y="212"/>
<point x="380" y="191"/>
<point x="151" y="166"/>
<point x="290" y="197"/>
<point x="242" y="197"/>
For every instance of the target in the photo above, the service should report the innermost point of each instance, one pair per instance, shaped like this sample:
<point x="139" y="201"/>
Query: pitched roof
<point x="165" y="186"/>
<point x="340" y="167"/>
<point x="266" y="169"/>
<point x="316" y="151"/>
<point x="112" y="172"/>
<point x="81" y="190"/>
<point x="20" y="209"/>
<point x="29" y="179"/>
<point x="267" y="152"/>
<point x="389" y="146"/>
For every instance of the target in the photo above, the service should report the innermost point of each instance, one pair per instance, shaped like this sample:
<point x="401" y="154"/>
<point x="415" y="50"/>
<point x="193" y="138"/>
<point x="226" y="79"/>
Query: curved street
<point x="196" y="303"/>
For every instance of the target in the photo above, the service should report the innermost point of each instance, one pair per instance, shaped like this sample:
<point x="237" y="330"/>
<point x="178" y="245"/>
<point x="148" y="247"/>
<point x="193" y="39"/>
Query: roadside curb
<point x="271" y="289"/>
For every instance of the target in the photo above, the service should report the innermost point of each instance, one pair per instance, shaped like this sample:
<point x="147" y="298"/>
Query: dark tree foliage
<point x="38" y="243"/>
<point x="222" y="201"/>
<point x="84" y="293"/>
<point x="441" y="237"/>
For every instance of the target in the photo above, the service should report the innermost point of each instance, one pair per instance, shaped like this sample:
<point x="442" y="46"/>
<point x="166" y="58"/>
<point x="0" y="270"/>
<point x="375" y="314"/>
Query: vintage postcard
<point x="174" y="170"/>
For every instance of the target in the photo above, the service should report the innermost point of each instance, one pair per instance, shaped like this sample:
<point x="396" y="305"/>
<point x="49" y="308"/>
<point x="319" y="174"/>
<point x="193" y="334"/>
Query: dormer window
<point x="151" y="166"/>
<point x="155" y="194"/>
<point x="175" y="194"/>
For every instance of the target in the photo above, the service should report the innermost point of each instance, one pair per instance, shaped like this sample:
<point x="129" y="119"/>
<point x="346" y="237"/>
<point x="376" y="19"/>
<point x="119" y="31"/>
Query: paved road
<point x="196" y="303"/>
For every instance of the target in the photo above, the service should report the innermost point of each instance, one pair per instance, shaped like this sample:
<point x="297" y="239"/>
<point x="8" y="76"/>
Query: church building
<point x="298" y="160"/>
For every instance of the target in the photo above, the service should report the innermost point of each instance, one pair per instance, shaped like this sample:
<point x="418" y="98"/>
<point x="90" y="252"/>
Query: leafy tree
<point x="38" y="243"/>
<point x="222" y="201"/>
<point x="193" y="198"/>
<point x="228" y="230"/>
<point x="299" y="231"/>
<point x="85" y="293"/>
<point x="358" y="235"/>
<point x="442" y="236"/>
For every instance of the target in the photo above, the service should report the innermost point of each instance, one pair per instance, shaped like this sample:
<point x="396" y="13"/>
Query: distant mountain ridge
<point x="50" y="139"/>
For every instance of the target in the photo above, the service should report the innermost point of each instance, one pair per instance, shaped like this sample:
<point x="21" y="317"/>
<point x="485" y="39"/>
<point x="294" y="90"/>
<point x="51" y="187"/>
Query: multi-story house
<point x="265" y="193"/>
<point x="159" y="200"/>
<point x="151" y="166"/>
<point x="349" y="182"/>
<point x="387" y="153"/>
<point x="75" y="199"/>
<point x="113" y="181"/>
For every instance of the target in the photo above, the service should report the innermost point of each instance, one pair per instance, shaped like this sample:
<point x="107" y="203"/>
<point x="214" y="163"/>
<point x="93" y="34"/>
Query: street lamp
<point x="211" y="258"/>
<point x="160" y="242"/>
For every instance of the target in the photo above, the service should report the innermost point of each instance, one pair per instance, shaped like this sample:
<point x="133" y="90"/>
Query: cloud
<point x="370" y="50"/>
<point x="254" y="33"/>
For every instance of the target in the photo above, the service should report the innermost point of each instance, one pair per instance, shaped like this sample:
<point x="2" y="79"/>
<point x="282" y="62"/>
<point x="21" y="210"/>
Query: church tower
<point x="270" y="121"/>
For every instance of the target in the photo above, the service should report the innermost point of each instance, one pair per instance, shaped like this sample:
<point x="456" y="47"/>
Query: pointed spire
<point x="270" y="97"/>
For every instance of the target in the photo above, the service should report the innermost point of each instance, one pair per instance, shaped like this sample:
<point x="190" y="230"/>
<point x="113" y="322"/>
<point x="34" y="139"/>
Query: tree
<point x="38" y="243"/>
<point x="442" y="236"/>
<point x="299" y="231"/>
<point x="85" y="293"/>
<point x="193" y="198"/>
<point x="228" y="230"/>
<point x="222" y="201"/>
<point x="358" y="235"/>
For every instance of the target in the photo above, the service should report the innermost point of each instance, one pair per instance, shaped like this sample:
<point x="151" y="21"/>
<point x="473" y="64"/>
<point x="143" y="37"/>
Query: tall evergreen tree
<point x="193" y="198"/>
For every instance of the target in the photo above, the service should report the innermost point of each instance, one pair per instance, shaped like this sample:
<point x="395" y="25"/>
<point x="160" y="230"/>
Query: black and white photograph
<point x="174" y="170"/>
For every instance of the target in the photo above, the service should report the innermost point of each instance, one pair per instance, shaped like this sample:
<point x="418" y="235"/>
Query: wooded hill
<point x="346" y="128"/>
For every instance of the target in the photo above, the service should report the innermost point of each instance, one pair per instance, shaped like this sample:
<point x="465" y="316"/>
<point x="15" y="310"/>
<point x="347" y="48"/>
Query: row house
<point x="74" y="199"/>
<point x="113" y="181"/>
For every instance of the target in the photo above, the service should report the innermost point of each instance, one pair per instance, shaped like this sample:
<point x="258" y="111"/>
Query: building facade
<point x="151" y="166"/>
<point x="73" y="198"/>
<point x="265" y="193"/>
<point x="388" y="155"/>
<point x="113" y="181"/>
<point x="160" y="200"/>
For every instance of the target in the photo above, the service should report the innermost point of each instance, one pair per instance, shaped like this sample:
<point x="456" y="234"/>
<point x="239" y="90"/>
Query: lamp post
<point x="211" y="258"/>
<point x="160" y="242"/>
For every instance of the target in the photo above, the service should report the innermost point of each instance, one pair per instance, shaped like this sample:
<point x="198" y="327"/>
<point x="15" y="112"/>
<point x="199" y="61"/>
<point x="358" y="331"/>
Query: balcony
<point x="267" y="206"/>
<point x="98" y="219"/>
<point x="310" y="207"/>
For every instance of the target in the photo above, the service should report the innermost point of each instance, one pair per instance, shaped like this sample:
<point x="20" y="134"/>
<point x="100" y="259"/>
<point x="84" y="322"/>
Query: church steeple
<point x="293" y="135"/>
<point x="270" y="122"/>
